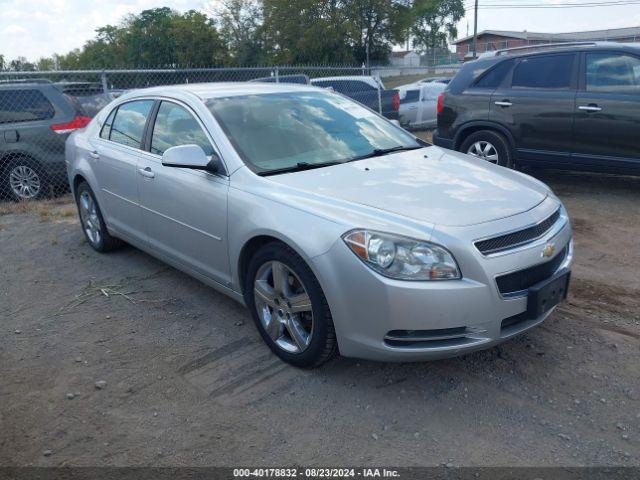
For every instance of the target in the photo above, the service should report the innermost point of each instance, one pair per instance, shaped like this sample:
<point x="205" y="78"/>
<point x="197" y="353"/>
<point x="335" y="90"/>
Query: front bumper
<point x="379" y="318"/>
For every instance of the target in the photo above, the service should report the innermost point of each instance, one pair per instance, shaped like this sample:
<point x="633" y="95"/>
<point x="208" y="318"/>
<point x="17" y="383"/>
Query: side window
<point x="106" y="128"/>
<point x="176" y="126"/>
<point x="347" y="87"/>
<point x="128" y="125"/>
<point x="24" y="106"/>
<point x="494" y="77"/>
<point x="612" y="73"/>
<point x="411" y="96"/>
<point x="551" y="72"/>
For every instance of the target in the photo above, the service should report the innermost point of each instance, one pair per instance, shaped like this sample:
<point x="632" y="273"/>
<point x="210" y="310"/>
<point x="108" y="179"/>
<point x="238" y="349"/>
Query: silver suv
<point x="36" y="118"/>
<point x="336" y="228"/>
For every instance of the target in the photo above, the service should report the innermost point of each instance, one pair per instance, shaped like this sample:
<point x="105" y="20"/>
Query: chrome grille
<point x="519" y="238"/>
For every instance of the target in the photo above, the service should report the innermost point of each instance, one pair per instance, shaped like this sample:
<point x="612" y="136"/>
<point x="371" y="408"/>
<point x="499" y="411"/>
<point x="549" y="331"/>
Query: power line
<point x="553" y="6"/>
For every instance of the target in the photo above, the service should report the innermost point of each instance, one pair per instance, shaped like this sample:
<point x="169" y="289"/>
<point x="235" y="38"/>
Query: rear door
<point x="608" y="113"/>
<point x="536" y="103"/>
<point x="184" y="211"/>
<point x="115" y="159"/>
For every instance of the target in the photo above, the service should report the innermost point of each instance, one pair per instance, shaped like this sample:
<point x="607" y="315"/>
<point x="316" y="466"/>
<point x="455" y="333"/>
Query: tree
<point x="239" y="23"/>
<point x="375" y="26"/>
<point x="2" y="62"/>
<point x="434" y="22"/>
<point x="21" y="64"/>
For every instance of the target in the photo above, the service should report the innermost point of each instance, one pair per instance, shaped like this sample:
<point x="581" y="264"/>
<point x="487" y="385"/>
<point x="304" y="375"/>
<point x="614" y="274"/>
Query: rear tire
<point x="300" y="334"/>
<point x="92" y="222"/>
<point x="490" y="146"/>
<point x="23" y="179"/>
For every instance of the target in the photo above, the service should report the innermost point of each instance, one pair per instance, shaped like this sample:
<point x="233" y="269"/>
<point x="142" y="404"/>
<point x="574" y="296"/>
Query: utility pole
<point x="475" y="31"/>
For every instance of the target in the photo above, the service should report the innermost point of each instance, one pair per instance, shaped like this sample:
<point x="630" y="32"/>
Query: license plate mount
<point x="547" y="294"/>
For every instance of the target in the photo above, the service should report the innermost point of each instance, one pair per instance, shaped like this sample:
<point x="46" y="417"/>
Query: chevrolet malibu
<point x="337" y="229"/>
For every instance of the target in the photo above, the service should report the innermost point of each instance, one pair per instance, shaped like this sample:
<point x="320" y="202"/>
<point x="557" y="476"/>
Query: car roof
<point x="363" y="78"/>
<point x="528" y="50"/>
<point x="219" y="89"/>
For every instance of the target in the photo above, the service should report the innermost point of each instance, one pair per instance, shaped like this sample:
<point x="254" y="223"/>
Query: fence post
<point x="379" y="96"/>
<point x="277" y="75"/>
<point x="103" y="79"/>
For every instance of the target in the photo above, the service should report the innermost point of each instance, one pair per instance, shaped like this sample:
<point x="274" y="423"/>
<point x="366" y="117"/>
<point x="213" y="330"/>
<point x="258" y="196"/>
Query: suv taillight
<point x="75" y="124"/>
<point x="440" y="103"/>
<point x="396" y="101"/>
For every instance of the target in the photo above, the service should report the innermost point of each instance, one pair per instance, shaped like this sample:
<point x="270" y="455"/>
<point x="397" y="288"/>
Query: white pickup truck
<point x="418" y="103"/>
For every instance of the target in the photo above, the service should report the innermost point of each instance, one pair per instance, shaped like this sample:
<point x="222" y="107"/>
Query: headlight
<point x="402" y="258"/>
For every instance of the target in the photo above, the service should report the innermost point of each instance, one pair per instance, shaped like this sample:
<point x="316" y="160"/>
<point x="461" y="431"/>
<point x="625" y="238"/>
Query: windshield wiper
<point x="298" y="167"/>
<point x="379" y="152"/>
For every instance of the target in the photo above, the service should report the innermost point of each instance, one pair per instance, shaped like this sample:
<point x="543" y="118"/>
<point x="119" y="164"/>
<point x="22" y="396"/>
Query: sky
<point x="37" y="28"/>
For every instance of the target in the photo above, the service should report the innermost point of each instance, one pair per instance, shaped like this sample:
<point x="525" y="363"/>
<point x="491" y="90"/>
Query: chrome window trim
<point x="158" y="98"/>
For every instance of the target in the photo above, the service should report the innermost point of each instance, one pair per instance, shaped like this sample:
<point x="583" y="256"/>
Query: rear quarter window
<point x="24" y="105"/>
<point x="468" y="74"/>
<point x="493" y="77"/>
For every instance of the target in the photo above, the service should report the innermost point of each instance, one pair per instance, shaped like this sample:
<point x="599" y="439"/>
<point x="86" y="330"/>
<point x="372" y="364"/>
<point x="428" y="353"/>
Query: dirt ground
<point x="189" y="382"/>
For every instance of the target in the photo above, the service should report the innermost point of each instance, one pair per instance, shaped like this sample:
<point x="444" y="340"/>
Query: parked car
<point x="299" y="79"/>
<point x="573" y="107"/>
<point x="90" y="95"/>
<point x="444" y="80"/>
<point x="35" y="120"/>
<point x="418" y="104"/>
<point x="368" y="91"/>
<point x="334" y="226"/>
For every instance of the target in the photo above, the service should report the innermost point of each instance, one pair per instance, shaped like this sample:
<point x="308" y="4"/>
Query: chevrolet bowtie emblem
<point x="548" y="250"/>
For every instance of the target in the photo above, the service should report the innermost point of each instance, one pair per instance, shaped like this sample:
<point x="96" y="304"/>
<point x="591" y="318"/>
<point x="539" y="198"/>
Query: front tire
<point x="490" y="146"/>
<point x="288" y="307"/>
<point x="93" y="226"/>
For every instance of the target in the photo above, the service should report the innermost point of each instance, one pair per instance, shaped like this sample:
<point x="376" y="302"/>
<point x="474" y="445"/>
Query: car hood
<point x="429" y="185"/>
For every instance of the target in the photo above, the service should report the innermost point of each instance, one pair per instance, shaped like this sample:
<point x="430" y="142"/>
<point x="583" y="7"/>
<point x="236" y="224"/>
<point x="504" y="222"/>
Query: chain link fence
<point x="39" y="110"/>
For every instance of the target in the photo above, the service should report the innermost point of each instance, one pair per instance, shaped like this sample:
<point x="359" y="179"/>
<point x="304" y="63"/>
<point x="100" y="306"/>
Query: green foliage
<point x="434" y="22"/>
<point x="262" y="32"/>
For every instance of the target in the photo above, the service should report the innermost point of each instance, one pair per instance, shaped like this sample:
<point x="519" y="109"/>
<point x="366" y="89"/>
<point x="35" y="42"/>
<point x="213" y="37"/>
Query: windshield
<point x="280" y="131"/>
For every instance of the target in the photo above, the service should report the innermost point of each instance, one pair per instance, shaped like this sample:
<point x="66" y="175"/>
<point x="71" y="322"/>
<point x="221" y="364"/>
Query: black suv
<point x="574" y="107"/>
<point x="36" y="118"/>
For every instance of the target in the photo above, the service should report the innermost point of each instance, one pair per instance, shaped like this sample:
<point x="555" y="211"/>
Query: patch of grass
<point x="47" y="209"/>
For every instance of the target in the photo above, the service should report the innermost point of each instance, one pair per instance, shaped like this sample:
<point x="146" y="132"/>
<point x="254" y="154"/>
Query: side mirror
<point x="190" y="156"/>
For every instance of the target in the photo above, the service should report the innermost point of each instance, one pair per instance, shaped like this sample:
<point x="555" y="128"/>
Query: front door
<point x="184" y="211"/>
<point x="537" y="106"/>
<point x="607" y="125"/>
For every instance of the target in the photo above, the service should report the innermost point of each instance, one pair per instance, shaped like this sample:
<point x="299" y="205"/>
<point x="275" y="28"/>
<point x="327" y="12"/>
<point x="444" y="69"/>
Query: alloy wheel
<point x="89" y="217"/>
<point x="24" y="182"/>
<point x="484" y="150"/>
<point x="284" y="306"/>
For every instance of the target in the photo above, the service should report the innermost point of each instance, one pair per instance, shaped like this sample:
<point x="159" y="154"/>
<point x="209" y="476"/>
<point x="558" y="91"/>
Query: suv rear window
<point x="549" y="72"/>
<point x="27" y="105"/>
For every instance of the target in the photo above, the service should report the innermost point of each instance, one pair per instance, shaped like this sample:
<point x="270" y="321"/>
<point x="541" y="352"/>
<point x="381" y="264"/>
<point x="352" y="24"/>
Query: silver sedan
<point x="336" y="228"/>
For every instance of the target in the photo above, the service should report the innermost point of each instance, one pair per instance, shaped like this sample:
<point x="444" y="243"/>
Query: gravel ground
<point x="120" y="360"/>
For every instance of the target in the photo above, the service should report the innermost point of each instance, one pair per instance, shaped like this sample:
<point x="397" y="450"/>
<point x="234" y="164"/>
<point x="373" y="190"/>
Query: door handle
<point x="95" y="155"/>
<point x="592" y="107"/>
<point x="146" y="172"/>
<point x="503" y="103"/>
